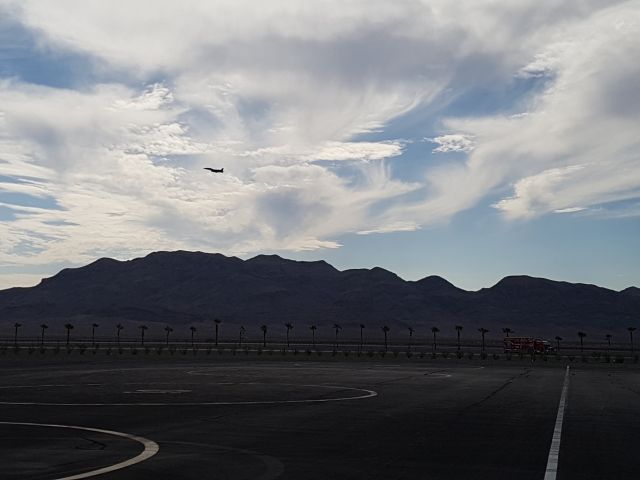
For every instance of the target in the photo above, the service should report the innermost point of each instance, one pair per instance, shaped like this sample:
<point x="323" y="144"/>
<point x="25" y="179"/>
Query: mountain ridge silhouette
<point x="184" y="287"/>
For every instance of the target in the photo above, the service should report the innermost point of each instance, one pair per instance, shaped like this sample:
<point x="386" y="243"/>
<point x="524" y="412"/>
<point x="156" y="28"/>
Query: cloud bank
<point x="283" y="96"/>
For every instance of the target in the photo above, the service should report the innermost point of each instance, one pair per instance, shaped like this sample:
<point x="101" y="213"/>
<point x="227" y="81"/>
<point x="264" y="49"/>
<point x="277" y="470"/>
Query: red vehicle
<point x="526" y="345"/>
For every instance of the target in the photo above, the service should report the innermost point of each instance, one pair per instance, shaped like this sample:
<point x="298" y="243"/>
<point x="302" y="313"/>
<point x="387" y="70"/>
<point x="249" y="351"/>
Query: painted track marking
<point x="150" y="448"/>
<point x="554" y="451"/>
<point x="366" y="394"/>
<point x="274" y="467"/>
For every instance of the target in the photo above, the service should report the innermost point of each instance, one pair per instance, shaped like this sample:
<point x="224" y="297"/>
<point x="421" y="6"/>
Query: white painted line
<point x="274" y="467"/>
<point x="366" y="394"/>
<point x="150" y="448"/>
<point x="554" y="451"/>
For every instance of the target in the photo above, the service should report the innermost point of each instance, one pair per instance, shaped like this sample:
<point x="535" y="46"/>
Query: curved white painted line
<point x="366" y="394"/>
<point x="274" y="467"/>
<point x="150" y="448"/>
<point x="156" y="392"/>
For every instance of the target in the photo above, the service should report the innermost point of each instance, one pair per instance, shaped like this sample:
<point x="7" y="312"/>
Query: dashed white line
<point x="150" y="448"/>
<point x="554" y="451"/>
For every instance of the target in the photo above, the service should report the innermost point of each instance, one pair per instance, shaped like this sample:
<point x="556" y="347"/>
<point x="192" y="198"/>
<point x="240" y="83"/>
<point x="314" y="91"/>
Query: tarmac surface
<point x="266" y="419"/>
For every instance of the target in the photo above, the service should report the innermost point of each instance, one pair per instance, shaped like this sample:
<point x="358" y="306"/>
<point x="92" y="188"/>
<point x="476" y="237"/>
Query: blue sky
<point x="471" y="140"/>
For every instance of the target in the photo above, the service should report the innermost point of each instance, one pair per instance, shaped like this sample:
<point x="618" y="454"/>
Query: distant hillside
<point x="185" y="288"/>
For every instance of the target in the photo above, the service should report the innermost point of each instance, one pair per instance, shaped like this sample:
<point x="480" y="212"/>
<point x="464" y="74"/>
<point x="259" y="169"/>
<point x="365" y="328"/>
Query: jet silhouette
<point x="215" y="170"/>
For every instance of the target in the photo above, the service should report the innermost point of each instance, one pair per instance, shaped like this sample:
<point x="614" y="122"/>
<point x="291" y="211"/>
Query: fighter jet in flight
<point x="215" y="170"/>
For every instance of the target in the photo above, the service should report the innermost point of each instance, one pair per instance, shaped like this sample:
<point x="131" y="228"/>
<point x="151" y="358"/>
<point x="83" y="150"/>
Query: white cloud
<point x="328" y="151"/>
<point x="569" y="210"/>
<point x="452" y="143"/>
<point x="20" y="280"/>
<point x="537" y="192"/>
<point x="394" y="227"/>
<point x="113" y="195"/>
<point x="586" y="114"/>
<point x="271" y="92"/>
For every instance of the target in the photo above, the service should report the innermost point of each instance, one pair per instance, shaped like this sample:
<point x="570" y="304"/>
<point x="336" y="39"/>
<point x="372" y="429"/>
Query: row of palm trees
<point x="289" y="326"/>
<point x="608" y="337"/>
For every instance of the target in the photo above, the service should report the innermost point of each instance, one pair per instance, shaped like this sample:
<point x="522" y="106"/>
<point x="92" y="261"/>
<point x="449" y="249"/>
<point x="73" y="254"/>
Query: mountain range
<point x="192" y="288"/>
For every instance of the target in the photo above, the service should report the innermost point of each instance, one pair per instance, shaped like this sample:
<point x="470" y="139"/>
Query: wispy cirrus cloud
<point x="573" y="145"/>
<point x="281" y="96"/>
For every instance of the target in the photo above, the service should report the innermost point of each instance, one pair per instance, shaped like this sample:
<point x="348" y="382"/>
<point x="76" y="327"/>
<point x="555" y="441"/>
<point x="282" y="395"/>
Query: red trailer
<point x="526" y="345"/>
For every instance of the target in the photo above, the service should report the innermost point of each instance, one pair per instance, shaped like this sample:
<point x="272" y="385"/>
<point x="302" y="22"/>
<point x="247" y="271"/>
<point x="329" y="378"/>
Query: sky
<point x="472" y="139"/>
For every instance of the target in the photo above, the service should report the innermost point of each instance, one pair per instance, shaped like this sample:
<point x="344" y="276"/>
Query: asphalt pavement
<point x="264" y="418"/>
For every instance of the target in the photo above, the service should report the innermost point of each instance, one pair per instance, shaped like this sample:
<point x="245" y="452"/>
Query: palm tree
<point x="385" y="329"/>
<point x="411" y="330"/>
<point x="581" y="335"/>
<point x="264" y="335"/>
<point x="217" y="322"/>
<point x="118" y="328"/>
<point x="337" y="329"/>
<point x="193" y="332"/>
<point x="558" y="340"/>
<point x="242" y="330"/>
<point x="289" y="328"/>
<point x="482" y="331"/>
<point x="313" y="329"/>
<point x="43" y="327"/>
<point x="16" y="326"/>
<point x="434" y="330"/>
<point x="361" y="337"/>
<point x="168" y="329"/>
<point x="69" y="327"/>
<point x="608" y="337"/>
<point x="507" y="331"/>
<point x="143" y="328"/>
<point x="458" y="330"/>
<point x="631" y="330"/>
<point x="93" y="333"/>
